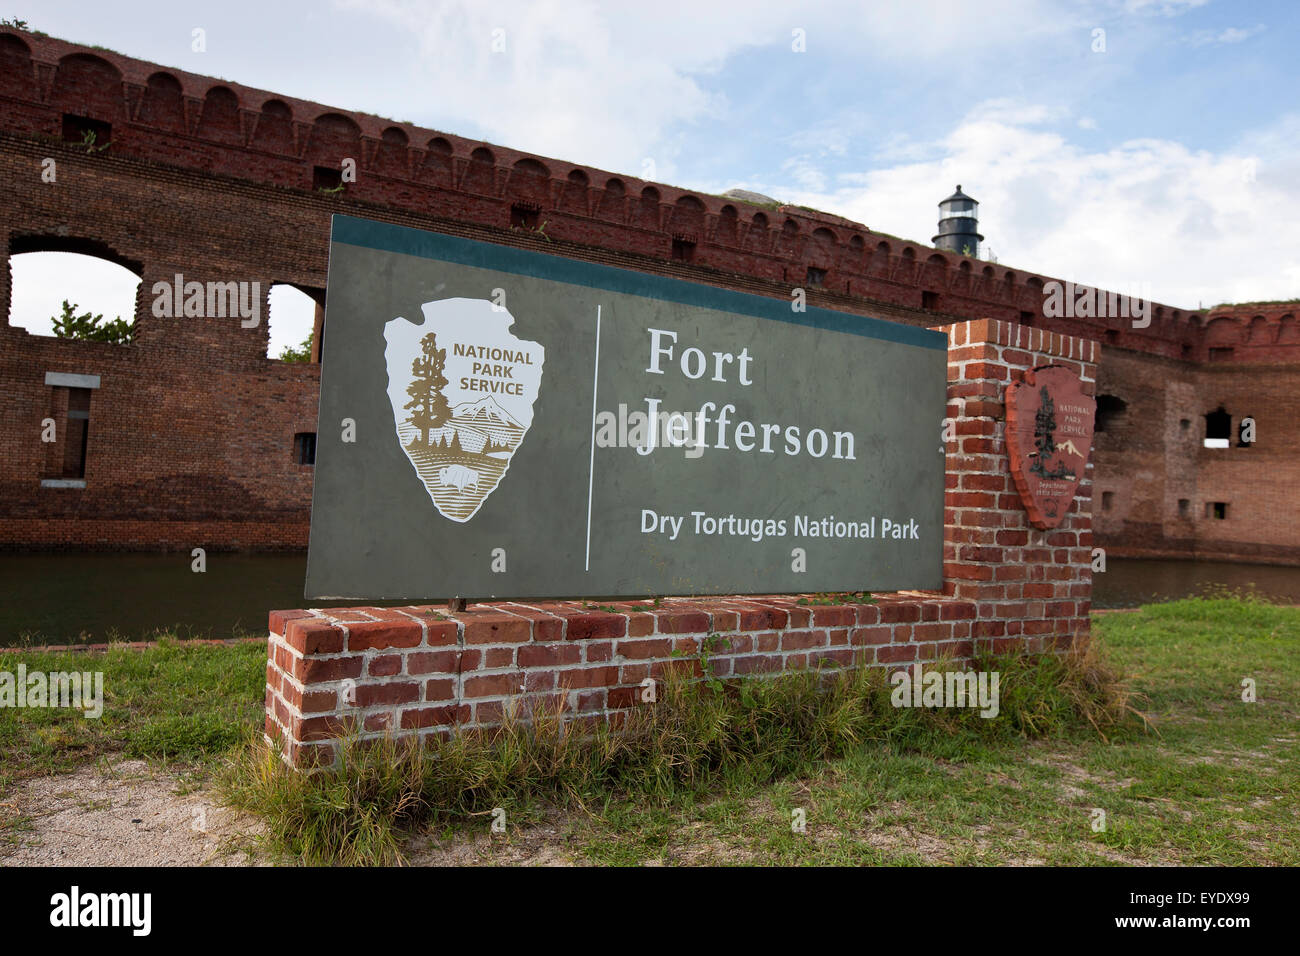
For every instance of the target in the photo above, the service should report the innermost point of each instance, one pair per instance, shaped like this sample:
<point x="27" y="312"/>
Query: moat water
<point x="86" y="598"/>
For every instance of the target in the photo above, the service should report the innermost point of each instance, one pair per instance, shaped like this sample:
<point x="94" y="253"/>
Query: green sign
<point x="498" y="423"/>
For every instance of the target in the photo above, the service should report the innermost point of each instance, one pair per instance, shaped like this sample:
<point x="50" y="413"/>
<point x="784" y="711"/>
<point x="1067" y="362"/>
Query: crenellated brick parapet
<point x="54" y="90"/>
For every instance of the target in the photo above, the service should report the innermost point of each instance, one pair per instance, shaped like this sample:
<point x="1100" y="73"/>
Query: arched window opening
<point x="72" y="295"/>
<point x="295" y="319"/>
<point x="1218" y="428"/>
<point x="1110" y="412"/>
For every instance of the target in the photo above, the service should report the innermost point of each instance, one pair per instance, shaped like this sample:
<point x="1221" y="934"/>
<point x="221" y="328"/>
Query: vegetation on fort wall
<point x="300" y="354"/>
<point x="92" y="328"/>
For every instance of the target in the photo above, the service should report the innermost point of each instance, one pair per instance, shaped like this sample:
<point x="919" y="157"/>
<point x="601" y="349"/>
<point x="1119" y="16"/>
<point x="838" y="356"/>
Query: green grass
<point x="176" y="701"/>
<point x="1211" y="784"/>
<point x="715" y="777"/>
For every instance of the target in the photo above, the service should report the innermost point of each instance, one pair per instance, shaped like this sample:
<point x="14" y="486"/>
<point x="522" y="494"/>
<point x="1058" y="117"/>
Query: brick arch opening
<point x="529" y="183"/>
<point x="219" y="120"/>
<point x="390" y="155"/>
<point x="163" y="104"/>
<point x="1110" y="413"/>
<point x="274" y="129"/>
<point x="16" y="65"/>
<point x="647" y="208"/>
<point x="688" y="217"/>
<point x="437" y="165"/>
<point x="728" y="225"/>
<point x="880" y="259"/>
<point x="857" y="252"/>
<point x="91" y="276"/>
<point x="574" y="196"/>
<point x="88" y="86"/>
<point x="1218" y="428"/>
<point x="334" y="137"/>
<point x="1223" y="331"/>
<point x="21" y="244"/>
<point x="788" y="242"/>
<point x="1260" y="333"/>
<point x="1288" y="332"/>
<point x="480" y="173"/>
<point x="611" y="204"/>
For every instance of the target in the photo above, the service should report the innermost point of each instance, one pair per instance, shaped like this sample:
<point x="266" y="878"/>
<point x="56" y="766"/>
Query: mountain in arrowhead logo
<point x="462" y="388"/>
<point x="1049" y="429"/>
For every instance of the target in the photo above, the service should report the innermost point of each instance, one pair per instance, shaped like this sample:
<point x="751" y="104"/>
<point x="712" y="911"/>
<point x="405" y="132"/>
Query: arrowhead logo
<point x="1049" y="435"/>
<point x="462" y="389"/>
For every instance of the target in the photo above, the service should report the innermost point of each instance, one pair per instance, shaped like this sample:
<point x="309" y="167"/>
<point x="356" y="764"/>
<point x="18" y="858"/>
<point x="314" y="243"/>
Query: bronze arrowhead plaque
<point x="1049" y="436"/>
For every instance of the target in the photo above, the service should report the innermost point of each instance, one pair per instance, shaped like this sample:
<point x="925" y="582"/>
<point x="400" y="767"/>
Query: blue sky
<point x="1164" y="153"/>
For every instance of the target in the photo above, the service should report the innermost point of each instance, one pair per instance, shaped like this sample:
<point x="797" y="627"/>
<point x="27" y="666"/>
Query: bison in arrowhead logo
<point x="1049" y="434"/>
<point x="462" y="389"/>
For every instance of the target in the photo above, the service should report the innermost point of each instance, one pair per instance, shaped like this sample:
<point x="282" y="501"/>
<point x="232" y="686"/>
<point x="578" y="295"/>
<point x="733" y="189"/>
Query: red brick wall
<point x="1147" y="462"/>
<point x="191" y="434"/>
<point x="278" y="141"/>
<point x="427" y="670"/>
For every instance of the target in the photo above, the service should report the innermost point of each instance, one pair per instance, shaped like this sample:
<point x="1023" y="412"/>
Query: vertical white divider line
<point x="591" y="472"/>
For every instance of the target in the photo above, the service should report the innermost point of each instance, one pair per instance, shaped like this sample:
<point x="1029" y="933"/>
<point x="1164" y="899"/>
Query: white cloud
<point x="1223" y="37"/>
<point x="1197" y="225"/>
<point x="578" y="80"/>
<point x="1164" y="8"/>
<point x="605" y="84"/>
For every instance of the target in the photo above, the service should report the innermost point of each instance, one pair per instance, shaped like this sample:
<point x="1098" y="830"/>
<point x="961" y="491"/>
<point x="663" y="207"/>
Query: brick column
<point x="1029" y="585"/>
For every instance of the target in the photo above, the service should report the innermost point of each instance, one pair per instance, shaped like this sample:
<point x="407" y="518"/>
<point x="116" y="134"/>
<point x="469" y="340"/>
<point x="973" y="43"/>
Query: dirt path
<point x="125" y="814"/>
<point x="132" y="814"/>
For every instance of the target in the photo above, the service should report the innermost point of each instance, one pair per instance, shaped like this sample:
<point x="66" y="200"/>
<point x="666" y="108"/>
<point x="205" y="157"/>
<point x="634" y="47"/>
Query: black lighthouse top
<point x="959" y="225"/>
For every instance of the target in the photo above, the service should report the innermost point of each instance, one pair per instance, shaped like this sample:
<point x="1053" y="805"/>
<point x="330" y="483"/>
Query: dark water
<point x="70" y="598"/>
<point x="1130" y="583"/>
<point x="84" y="598"/>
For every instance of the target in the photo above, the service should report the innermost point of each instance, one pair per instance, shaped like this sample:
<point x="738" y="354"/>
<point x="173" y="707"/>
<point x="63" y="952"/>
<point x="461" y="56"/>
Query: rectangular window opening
<point x="683" y="250"/>
<point x="524" y="216"/>
<point x="1216" y="510"/>
<point x="84" y="131"/>
<point x="65" y="457"/>
<point x="816" y="276"/>
<point x="325" y="177"/>
<point x="304" y="448"/>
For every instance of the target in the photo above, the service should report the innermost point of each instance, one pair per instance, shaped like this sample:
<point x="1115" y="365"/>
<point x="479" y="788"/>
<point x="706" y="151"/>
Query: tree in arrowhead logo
<point x="1049" y="434"/>
<point x="462" y="389"/>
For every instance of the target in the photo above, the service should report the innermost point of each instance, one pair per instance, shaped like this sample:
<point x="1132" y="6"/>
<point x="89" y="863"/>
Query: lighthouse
<point x="959" y="225"/>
